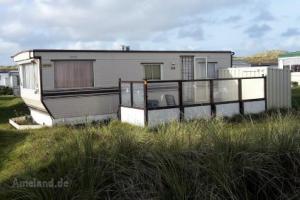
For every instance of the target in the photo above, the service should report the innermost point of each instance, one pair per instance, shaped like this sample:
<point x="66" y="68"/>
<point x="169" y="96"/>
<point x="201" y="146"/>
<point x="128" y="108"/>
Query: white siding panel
<point x="133" y="116"/>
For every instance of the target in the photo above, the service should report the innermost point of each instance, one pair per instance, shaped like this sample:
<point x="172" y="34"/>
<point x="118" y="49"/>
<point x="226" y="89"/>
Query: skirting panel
<point x="227" y="110"/>
<point x="197" y="112"/>
<point x="254" y="107"/>
<point x="156" y="117"/>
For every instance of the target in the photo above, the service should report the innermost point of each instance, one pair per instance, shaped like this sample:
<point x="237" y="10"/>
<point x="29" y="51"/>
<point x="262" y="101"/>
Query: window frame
<point x="153" y="64"/>
<point x="295" y="68"/>
<point x="71" y="88"/>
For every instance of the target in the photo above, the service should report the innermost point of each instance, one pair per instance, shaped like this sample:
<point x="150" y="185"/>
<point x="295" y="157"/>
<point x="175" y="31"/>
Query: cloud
<point x="257" y="31"/>
<point x="232" y="19"/>
<point x="291" y="32"/>
<point x="264" y="15"/>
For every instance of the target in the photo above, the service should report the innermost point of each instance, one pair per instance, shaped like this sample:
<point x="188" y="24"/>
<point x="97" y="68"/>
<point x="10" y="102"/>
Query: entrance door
<point x="200" y="68"/>
<point x="187" y="67"/>
<point x="201" y="91"/>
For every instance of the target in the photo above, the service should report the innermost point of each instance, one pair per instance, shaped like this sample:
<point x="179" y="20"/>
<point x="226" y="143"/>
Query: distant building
<point x="10" y="78"/>
<point x="291" y="60"/>
<point x="4" y="77"/>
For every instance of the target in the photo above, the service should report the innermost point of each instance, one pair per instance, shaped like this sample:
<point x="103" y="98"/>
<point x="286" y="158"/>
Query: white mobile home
<point x="10" y="78"/>
<point x="4" y="78"/>
<point x="74" y="86"/>
<point x="291" y="61"/>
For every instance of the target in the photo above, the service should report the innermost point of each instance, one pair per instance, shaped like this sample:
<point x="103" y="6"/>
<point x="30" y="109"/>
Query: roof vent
<point x="125" y="48"/>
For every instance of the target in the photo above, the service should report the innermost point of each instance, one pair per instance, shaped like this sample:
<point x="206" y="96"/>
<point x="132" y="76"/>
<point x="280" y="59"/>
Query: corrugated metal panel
<point x="278" y="83"/>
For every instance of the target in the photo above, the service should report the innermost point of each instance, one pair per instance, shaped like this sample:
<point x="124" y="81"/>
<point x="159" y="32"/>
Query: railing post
<point x="211" y="94"/>
<point x="131" y="94"/>
<point x="240" y="95"/>
<point x="181" y="108"/>
<point x="265" y="93"/>
<point x="145" y="102"/>
<point x="120" y="98"/>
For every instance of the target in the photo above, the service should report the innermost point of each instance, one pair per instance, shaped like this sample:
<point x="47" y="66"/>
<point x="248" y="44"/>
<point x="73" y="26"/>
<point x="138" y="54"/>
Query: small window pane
<point x="148" y="72"/>
<point x="152" y="71"/>
<point x="156" y="72"/>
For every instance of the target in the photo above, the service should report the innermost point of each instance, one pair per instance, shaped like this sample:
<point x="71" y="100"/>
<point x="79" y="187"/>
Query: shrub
<point x="295" y="84"/>
<point x="6" y="91"/>
<point x="201" y="159"/>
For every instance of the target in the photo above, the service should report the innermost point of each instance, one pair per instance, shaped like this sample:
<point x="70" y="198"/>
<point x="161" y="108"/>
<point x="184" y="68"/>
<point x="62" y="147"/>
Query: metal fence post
<point x="120" y="98"/>
<point x="212" y="102"/>
<point x="131" y="94"/>
<point x="265" y="93"/>
<point x="240" y="95"/>
<point x="181" y="108"/>
<point x="145" y="102"/>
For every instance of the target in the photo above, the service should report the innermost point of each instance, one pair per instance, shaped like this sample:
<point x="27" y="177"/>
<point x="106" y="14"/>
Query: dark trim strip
<point x="80" y="89"/>
<point x="152" y="63"/>
<point x="250" y="100"/>
<point x="226" y="102"/>
<point x="72" y="59"/>
<point x="80" y="95"/>
<point x="196" y="104"/>
<point x="163" y="107"/>
<point x="80" y="92"/>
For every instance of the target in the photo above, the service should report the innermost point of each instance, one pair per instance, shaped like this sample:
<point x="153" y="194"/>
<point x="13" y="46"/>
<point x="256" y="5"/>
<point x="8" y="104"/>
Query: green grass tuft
<point x="251" y="157"/>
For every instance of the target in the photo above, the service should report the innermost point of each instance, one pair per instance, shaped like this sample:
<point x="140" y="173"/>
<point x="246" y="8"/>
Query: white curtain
<point x="30" y="76"/>
<point x="73" y="74"/>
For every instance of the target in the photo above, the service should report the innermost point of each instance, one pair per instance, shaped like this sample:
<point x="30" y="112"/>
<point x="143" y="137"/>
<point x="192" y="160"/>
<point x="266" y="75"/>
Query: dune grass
<point x="252" y="157"/>
<point x="296" y="97"/>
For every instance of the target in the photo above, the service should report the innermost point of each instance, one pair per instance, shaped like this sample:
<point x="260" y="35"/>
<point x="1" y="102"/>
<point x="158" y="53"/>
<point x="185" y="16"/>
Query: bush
<point x="295" y="84"/>
<point x="6" y="91"/>
<point x="201" y="159"/>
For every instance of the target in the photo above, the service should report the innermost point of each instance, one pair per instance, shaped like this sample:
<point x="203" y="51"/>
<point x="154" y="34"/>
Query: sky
<point x="242" y="26"/>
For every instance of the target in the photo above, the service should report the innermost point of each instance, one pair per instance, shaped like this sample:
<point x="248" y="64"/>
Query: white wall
<point x="108" y="67"/>
<point x="133" y="116"/>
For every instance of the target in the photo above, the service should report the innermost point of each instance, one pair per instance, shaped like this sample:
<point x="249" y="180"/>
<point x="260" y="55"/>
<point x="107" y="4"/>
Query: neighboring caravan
<point x="291" y="61"/>
<point x="10" y="78"/>
<point x="75" y="86"/>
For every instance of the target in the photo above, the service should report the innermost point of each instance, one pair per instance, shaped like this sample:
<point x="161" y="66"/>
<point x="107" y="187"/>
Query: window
<point x="30" y="76"/>
<point x="152" y="71"/>
<point x="295" y="68"/>
<point x="211" y="70"/>
<point x="73" y="74"/>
